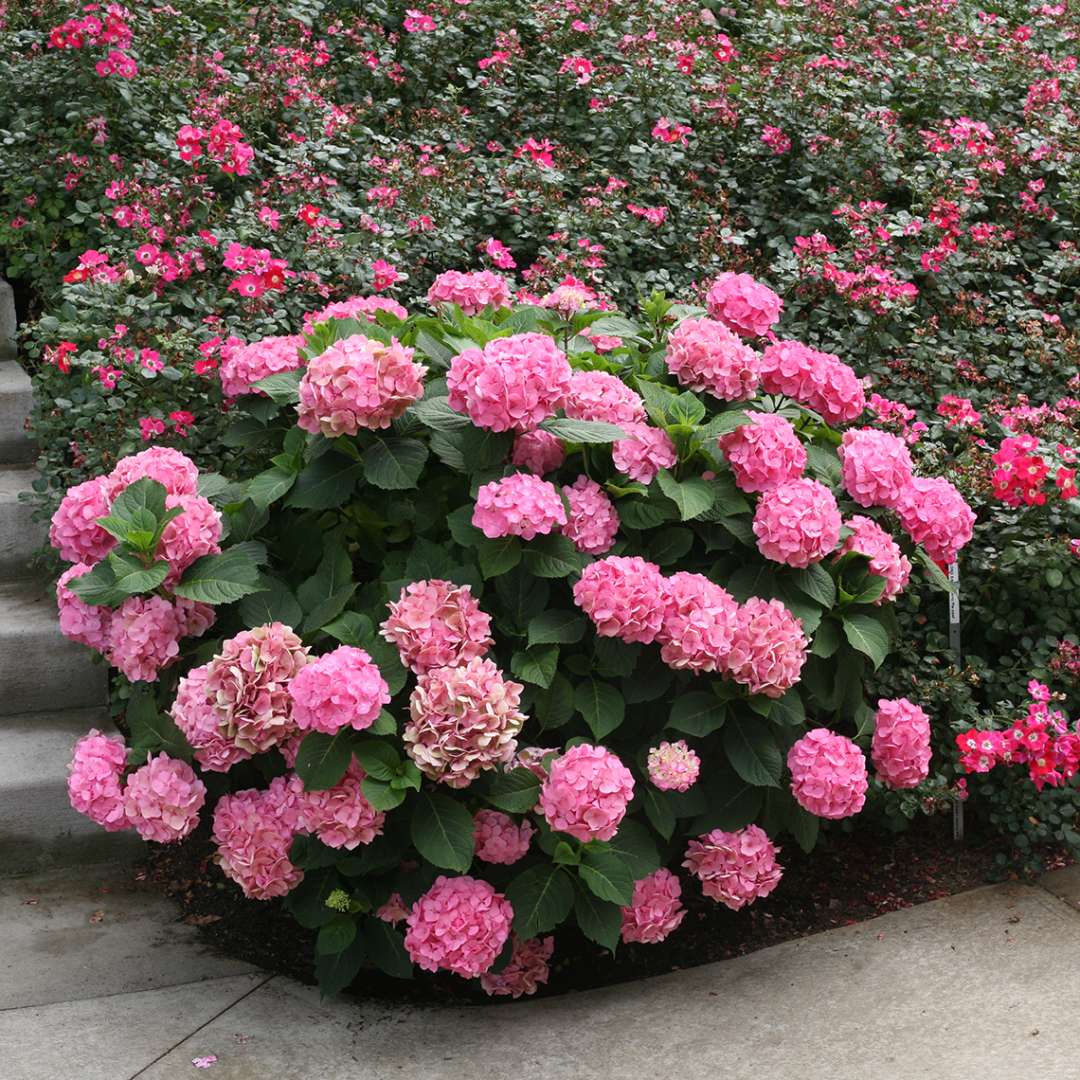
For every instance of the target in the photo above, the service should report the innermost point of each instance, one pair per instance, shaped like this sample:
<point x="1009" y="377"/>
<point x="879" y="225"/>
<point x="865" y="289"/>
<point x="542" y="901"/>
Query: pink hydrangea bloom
<point x="244" y="365"/>
<point x="828" y="774"/>
<point x="768" y="648"/>
<point x="656" y="910"/>
<point x="143" y="637"/>
<point x="735" y="868"/>
<point x="743" y="304"/>
<point x="94" y="784"/>
<point x="764" y="453"/>
<point x="194" y="714"/>
<point x="358" y="383"/>
<point x="528" y="969"/>
<point x="393" y="911"/>
<point x="821" y="381"/>
<point x="162" y="799"/>
<point x="586" y="793"/>
<point x="704" y="354"/>
<point x="797" y="523"/>
<point x="673" y="766"/>
<point x="472" y="292"/>
<point x="500" y="839"/>
<point x="463" y="720"/>
<point x="460" y="925"/>
<point x="343" y="688"/>
<point x="253" y="840"/>
<point x="699" y="620"/>
<point x="935" y="515"/>
<point x="74" y="530"/>
<point x="886" y="558"/>
<point x="437" y="624"/>
<point x="876" y="466"/>
<point x="643" y="453"/>
<point x="176" y="471"/>
<point x="341" y="817"/>
<point x="512" y="384"/>
<point x="598" y="395"/>
<point x="85" y="623"/>
<point x="624" y="597"/>
<point x="900" y="749"/>
<point x="518" y="505"/>
<point x="532" y="758"/>
<point x="356" y="307"/>
<point x="194" y="617"/>
<point x="538" y="451"/>
<point x="248" y="682"/>
<point x="593" y="523"/>
<point x="190" y="536"/>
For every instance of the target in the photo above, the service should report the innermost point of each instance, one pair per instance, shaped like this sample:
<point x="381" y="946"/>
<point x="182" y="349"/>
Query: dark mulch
<point x="848" y="878"/>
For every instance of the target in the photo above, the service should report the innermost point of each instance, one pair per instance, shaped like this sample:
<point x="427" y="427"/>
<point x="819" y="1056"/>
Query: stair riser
<point x="20" y="537"/>
<point x="40" y="669"/>
<point x="16" y="400"/>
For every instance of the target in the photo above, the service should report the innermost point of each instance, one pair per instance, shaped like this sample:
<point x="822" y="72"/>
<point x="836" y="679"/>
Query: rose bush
<point x="404" y="697"/>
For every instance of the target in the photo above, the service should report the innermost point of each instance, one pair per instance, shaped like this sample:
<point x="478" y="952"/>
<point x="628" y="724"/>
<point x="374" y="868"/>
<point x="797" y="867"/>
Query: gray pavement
<point x="980" y="985"/>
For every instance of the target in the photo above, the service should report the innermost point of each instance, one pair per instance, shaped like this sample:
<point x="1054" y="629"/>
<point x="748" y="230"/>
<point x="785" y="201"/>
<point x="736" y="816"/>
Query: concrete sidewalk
<point x="981" y="985"/>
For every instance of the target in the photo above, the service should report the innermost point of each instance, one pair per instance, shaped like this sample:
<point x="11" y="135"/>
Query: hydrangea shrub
<point x="445" y="694"/>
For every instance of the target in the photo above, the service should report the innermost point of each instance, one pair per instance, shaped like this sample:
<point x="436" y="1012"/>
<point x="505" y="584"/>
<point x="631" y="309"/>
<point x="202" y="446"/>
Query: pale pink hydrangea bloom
<point x="248" y="682"/>
<point x="94" y="779"/>
<point x="935" y="515"/>
<point x="244" y="365"/>
<point x="593" y="521"/>
<point x="876" y="466"/>
<point x="532" y="758"/>
<point x="586" y="793"/>
<point x="656" y="910"/>
<point x="471" y="291"/>
<point x="356" y="307"/>
<point x="176" y="471"/>
<point x="162" y="799"/>
<point x="699" y="620"/>
<point x="797" y="523"/>
<point x="512" y="384"/>
<point x="190" y="536"/>
<point x="437" y="624"/>
<point x="735" y="868"/>
<point x="194" y="618"/>
<point x="358" y="383"/>
<point x="341" y="817"/>
<point x="828" y="774"/>
<point x="393" y="911"/>
<point x="74" y="530"/>
<point x="703" y="354"/>
<point x="764" y="453"/>
<point x="518" y="505"/>
<point x="194" y="714"/>
<point x="745" y="305"/>
<point x="463" y="720"/>
<point x="538" y="451"/>
<point x="144" y="633"/>
<point x="900" y="749"/>
<point x="528" y="969"/>
<point x="342" y="688"/>
<point x="599" y="395"/>
<point x="85" y="623"/>
<point x="643" y="453"/>
<point x="821" y="381"/>
<point x="624" y="597"/>
<point x="673" y="766"/>
<point x="768" y="648"/>
<point x="500" y="839"/>
<point x="460" y="925"/>
<point x="886" y="558"/>
<point x="253" y="839"/>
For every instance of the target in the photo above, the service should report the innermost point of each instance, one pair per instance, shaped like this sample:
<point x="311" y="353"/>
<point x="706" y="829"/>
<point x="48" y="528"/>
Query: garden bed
<point x="851" y="877"/>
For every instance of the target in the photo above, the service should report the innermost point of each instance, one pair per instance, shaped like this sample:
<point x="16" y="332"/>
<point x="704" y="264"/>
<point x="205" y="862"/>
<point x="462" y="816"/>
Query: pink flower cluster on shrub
<point x="743" y="304"/>
<point x="519" y="505"/>
<point x="437" y="624"/>
<point x="656" y="910"/>
<point x="764" y="453"/>
<point x="820" y="381"/>
<point x="900" y="749"/>
<point x="828" y="774"/>
<point x="734" y="868"/>
<point x="586" y="793"/>
<point x="703" y="354"/>
<point x="244" y="365"/>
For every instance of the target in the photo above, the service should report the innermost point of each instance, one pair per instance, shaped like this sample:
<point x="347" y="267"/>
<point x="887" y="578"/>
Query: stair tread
<point x="35" y="748"/>
<point x="13" y="380"/>
<point x="15" y="479"/>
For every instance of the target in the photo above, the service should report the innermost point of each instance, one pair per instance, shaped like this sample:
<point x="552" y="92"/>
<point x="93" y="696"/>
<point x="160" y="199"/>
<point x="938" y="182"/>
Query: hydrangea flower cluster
<point x="499" y="839"/>
<point x="528" y="969"/>
<point x="358" y="383"/>
<point x="797" y="523"/>
<point x="703" y="354"/>
<point x="734" y="868"/>
<point x="586" y="793"/>
<point x="743" y="304"/>
<point x="518" y="505"/>
<point x="934" y="514"/>
<point x="95" y="785"/>
<point x="643" y="453"/>
<point x="624" y="597"/>
<point x="244" y="365"/>
<point x="764" y="453"/>
<point x="698" y="623"/>
<point x="355" y="307"/>
<point x="656" y="910"/>
<point x="673" y="766"/>
<point x="437" y="624"/>
<point x="593" y="521"/>
<point x="900" y="749"/>
<point x="343" y="688"/>
<point x="886" y="559"/>
<point x="162" y="799"/>
<point x="85" y="623"/>
<point x="472" y="292"/>
<point x="818" y="380"/>
<point x="538" y="451"/>
<point x="598" y="395"/>
<point x="876" y="466"/>
<point x="341" y="816"/>
<point x="828" y="774"/>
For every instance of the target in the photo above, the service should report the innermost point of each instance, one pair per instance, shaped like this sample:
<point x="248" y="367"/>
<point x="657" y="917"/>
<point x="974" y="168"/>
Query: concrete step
<point x="16" y="399"/>
<point x="20" y="536"/>
<point x="38" y="827"/>
<point x="39" y="668"/>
